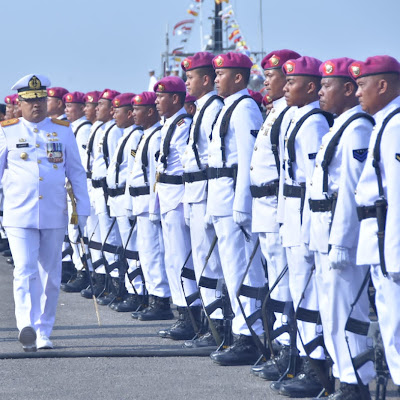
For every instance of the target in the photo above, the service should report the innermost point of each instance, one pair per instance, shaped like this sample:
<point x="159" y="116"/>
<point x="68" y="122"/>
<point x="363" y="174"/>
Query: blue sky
<point x="93" y="44"/>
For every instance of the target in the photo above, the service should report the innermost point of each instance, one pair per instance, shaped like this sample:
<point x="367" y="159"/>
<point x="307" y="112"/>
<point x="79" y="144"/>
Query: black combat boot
<point x="120" y="291"/>
<point x="242" y="352"/>
<point x="68" y="271"/>
<point x="349" y="392"/>
<point x="207" y="339"/>
<point x="4" y="245"/>
<point x="272" y="370"/>
<point x="132" y="302"/>
<point x="79" y="283"/>
<point x="183" y="328"/>
<point x="98" y="281"/>
<point x="159" y="309"/>
<point x="110" y="292"/>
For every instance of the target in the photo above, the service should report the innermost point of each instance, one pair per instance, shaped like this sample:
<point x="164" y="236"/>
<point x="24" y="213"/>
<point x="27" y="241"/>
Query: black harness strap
<point x="196" y="130"/>
<point x="80" y="126"/>
<point x="275" y="130"/>
<point x="106" y="153"/>
<point x="145" y="158"/>
<point x="168" y="137"/>
<point x="330" y="150"/>
<point x="120" y="154"/>
<point x="90" y="147"/>
<point x="292" y="138"/>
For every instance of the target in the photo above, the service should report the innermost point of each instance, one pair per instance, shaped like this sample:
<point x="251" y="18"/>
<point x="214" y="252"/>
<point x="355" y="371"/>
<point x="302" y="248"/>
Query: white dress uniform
<point x="35" y="159"/>
<point x="117" y="202"/>
<point x="99" y="172"/>
<point x="224" y="198"/>
<point x="264" y="172"/>
<point x="337" y="289"/>
<point x="149" y="236"/>
<point x="296" y="227"/>
<point x="387" y="297"/>
<point x="195" y="199"/>
<point x="176" y="234"/>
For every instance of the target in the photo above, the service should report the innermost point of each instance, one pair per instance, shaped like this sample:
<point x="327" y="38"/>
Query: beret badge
<point x="274" y="60"/>
<point x="219" y="61"/>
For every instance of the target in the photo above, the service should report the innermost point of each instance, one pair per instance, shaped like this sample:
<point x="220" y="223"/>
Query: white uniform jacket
<point x="367" y="193"/>
<point x="197" y="191"/>
<point x="35" y="159"/>
<point x="344" y="172"/>
<point x="244" y="124"/>
<point x="141" y="204"/>
<point x="81" y="128"/>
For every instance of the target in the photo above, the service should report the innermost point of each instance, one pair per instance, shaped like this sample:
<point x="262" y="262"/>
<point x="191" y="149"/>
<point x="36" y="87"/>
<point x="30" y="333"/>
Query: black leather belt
<point x="116" y="192"/>
<point x="98" y="183"/>
<point x="171" y="179"/>
<point x="265" y="191"/>
<point x="365" y="212"/>
<point x="227" y="172"/>
<point x="292" y="191"/>
<point x="139" y="191"/>
<point x="191" y="177"/>
<point x="320" y="205"/>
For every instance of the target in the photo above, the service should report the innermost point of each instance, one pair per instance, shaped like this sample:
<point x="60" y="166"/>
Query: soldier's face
<point x="274" y="82"/>
<point x="368" y="93"/>
<point x="164" y="104"/>
<point x="104" y="110"/>
<point x="331" y="95"/>
<point x="140" y="115"/>
<point x="34" y="110"/>
<point x="9" y="111"/>
<point x="224" y="82"/>
<point x="90" y="111"/>
<point x="54" y="106"/>
<point x="74" y="111"/>
<point x="194" y="83"/>
<point x="17" y="110"/>
<point x="295" y="91"/>
<point x="123" y="116"/>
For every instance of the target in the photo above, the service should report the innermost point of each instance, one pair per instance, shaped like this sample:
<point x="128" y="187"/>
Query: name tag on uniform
<point x="311" y="156"/>
<point x="20" y="145"/>
<point x="55" y="152"/>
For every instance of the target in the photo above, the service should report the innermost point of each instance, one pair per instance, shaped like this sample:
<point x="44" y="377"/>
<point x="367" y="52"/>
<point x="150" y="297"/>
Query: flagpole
<point x="261" y="30"/>
<point x="201" y="27"/>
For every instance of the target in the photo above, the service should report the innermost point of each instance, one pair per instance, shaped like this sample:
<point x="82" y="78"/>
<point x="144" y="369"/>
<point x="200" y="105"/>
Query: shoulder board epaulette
<point x="9" y="122"/>
<point x="60" y="122"/>
<point x="182" y="121"/>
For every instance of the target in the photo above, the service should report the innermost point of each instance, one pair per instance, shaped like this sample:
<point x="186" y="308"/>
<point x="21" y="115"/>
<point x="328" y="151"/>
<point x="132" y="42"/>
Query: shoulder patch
<point x="398" y="157"/>
<point x="60" y="122"/>
<point x="360" y="154"/>
<point x="9" y="122"/>
<point x="181" y="122"/>
<point x="254" y="132"/>
<point x="311" y="156"/>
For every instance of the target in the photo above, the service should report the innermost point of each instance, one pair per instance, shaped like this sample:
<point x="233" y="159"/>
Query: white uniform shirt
<point x="245" y="121"/>
<point x="82" y="137"/>
<point x="344" y="172"/>
<point x="197" y="191"/>
<point x="141" y="204"/>
<point x="35" y="159"/>
<point x="367" y="193"/>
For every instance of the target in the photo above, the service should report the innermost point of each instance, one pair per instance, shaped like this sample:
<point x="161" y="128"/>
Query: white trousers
<point x="176" y="237"/>
<point x="275" y="255"/>
<point x="151" y="250"/>
<point x="337" y="290"/>
<point x="93" y="234"/>
<point x="387" y="300"/>
<point x="234" y="252"/>
<point x="129" y="243"/>
<point x="37" y="276"/>
<point x="201" y="239"/>
<point x="299" y="273"/>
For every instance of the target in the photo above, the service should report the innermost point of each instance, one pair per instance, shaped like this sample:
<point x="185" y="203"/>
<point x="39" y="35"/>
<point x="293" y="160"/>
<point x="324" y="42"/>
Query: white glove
<point x="241" y="218"/>
<point x="186" y="212"/>
<point x="154" y="218"/>
<point x="207" y="221"/>
<point x="339" y="257"/>
<point x="395" y="276"/>
<point x="308" y="254"/>
<point x="82" y="222"/>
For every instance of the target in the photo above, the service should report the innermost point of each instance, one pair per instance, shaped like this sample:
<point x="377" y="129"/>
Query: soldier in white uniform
<point x="264" y="177"/>
<point x="171" y="92"/>
<point x="55" y="103"/>
<point x="378" y="80"/>
<point x="37" y="154"/>
<point x="140" y="197"/>
<point x="200" y="84"/>
<point x="334" y="223"/>
<point x="303" y="81"/>
<point x="117" y="173"/>
<point x="229" y="200"/>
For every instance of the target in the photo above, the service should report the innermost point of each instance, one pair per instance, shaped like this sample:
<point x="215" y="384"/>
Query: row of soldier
<point x="181" y="205"/>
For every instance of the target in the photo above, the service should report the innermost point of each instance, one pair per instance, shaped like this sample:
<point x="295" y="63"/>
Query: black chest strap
<point x="292" y="137"/>
<point x="106" y="153"/>
<point x="275" y="130"/>
<point x="145" y="158"/>
<point x="331" y="147"/>
<point x="168" y="136"/>
<point x="80" y="126"/>
<point x="90" y="147"/>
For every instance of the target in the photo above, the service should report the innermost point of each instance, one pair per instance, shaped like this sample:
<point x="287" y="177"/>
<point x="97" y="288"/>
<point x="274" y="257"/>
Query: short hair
<point x="245" y="72"/>
<point x="209" y="71"/>
<point x="181" y="96"/>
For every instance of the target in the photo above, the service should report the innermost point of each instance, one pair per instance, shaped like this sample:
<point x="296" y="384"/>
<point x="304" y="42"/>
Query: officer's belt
<point x="98" y="183"/>
<point x="191" y="177"/>
<point x="226" y="172"/>
<point x="365" y="212"/>
<point x="139" y="191"/>
<point x="320" y="205"/>
<point x="292" y="191"/>
<point x="89" y="175"/>
<point x="265" y="191"/>
<point x="116" y="192"/>
<point x="170" y="179"/>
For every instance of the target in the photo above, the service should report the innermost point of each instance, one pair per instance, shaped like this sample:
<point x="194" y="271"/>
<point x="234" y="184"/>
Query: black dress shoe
<point x="183" y="328"/>
<point x="98" y="281"/>
<point x="349" y="392"/>
<point x="76" y="285"/>
<point x="242" y="352"/>
<point x="132" y="302"/>
<point x="206" y="340"/>
<point x="159" y="309"/>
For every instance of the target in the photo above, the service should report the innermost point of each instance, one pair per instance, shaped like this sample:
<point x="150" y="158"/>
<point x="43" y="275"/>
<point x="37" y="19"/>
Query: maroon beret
<point x="336" y="68"/>
<point x="10" y="98"/>
<point x="267" y="99"/>
<point x="305" y="65"/>
<point x="257" y="96"/>
<point x="170" y="84"/>
<point x="74" y="97"/>
<point x="199" y="60"/>
<point x="232" y="60"/>
<point x="57" y="92"/>
<point x="144" y="99"/>
<point x="276" y="59"/>
<point x="92" y="97"/>
<point x="108" y="94"/>
<point x="374" y="66"/>
<point x="123" y="100"/>
<point x="190" y="99"/>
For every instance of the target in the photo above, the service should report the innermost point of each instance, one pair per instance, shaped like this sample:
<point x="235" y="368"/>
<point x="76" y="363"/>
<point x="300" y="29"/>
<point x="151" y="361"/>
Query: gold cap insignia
<point x="138" y="99"/>
<point x="187" y="63"/>
<point x="51" y="92"/>
<point x="116" y="103"/>
<point x="329" y="67"/>
<point x="24" y="155"/>
<point x="219" y="61"/>
<point x="274" y="60"/>
<point x="105" y="95"/>
<point x="69" y="98"/>
<point x="34" y="83"/>
<point x="269" y="98"/>
<point x="8" y="100"/>
<point x="355" y="70"/>
<point x="90" y="99"/>
<point x="289" y="66"/>
<point x="160" y="87"/>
